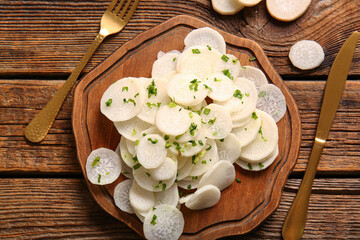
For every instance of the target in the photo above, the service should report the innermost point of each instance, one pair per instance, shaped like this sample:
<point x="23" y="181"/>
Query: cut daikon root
<point x="103" y="166"/>
<point x="248" y="132"/>
<point x="130" y="146"/>
<point x="261" y="165"/>
<point x="140" y="199"/>
<point x="185" y="198"/>
<point x="121" y="196"/>
<point x="192" y="132"/>
<point x="272" y="101"/>
<point x="220" y="86"/>
<point x="151" y="151"/>
<point x="222" y="174"/>
<point x="126" y="156"/>
<point x="125" y="169"/>
<point x="173" y="119"/>
<point x="164" y="222"/>
<point x="229" y="148"/>
<point x="188" y="149"/>
<point x="287" y="10"/>
<point x="140" y="215"/>
<point x="204" y="197"/>
<point x="187" y="89"/>
<point x="170" y="196"/>
<point x="156" y="91"/>
<point x="123" y="100"/>
<point x="165" y="65"/>
<point x="207" y="37"/>
<point x="132" y="128"/>
<point x="249" y="3"/>
<point x="241" y="122"/>
<point x="151" y="130"/>
<point x="165" y="171"/>
<point x="205" y="159"/>
<point x="184" y="171"/>
<point x="254" y="74"/>
<point x="227" y="7"/>
<point x="265" y="142"/>
<point x="306" y="54"/>
<point x="216" y="121"/>
<point x="228" y="63"/>
<point x="189" y="183"/>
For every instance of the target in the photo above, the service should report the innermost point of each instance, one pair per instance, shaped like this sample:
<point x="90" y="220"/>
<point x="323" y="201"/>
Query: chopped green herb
<point x="194" y="177"/>
<point x="99" y="178"/>
<point x="192" y="129"/>
<point x="174" y="59"/>
<point x="153" y="141"/>
<point x="195" y="158"/>
<point x="125" y="173"/>
<point x="125" y="89"/>
<point x="247" y="94"/>
<point x="207" y="87"/>
<point x="238" y="94"/>
<point x="144" y="134"/>
<point x="227" y="73"/>
<point x="172" y="104"/>
<point x="135" y="159"/>
<point x="203" y="122"/>
<point x="217" y="80"/>
<point x="158" y="185"/>
<point x="249" y="166"/>
<point x="261" y="133"/>
<point x="137" y="142"/>
<point x="261" y="165"/>
<point x="206" y="111"/>
<point x="154" y="208"/>
<point x="108" y="102"/>
<point x="245" y="129"/>
<point x="222" y="140"/>
<point x="191" y="114"/>
<point x="137" y="94"/>
<point x="212" y="121"/>
<point x="203" y="162"/>
<point x="235" y="60"/>
<point x="201" y="143"/>
<point x="163" y="187"/>
<point x="252" y="59"/>
<point x="166" y="137"/>
<point x="179" y="136"/>
<point x="150" y="105"/>
<point x="193" y="143"/>
<point x="189" y="187"/>
<point x="238" y="180"/>
<point x="180" y="193"/>
<point x="208" y="47"/>
<point x="107" y="173"/>
<point x="262" y="94"/>
<point x="130" y="100"/>
<point x="153" y="219"/>
<point x="148" y="174"/>
<point x="208" y="148"/>
<point x="254" y="116"/>
<point x="196" y="51"/>
<point x="243" y="67"/>
<point x="178" y="147"/>
<point x="194" y="85"/>
<point x="152" y="90"/>
<point x="215" y="133"/>
<point x="133" y="132"/>
<point x="225" y="58"/>
<point x="95" y="162"/>
<point x="167" y="145"/>
<point x="136" y="166"/>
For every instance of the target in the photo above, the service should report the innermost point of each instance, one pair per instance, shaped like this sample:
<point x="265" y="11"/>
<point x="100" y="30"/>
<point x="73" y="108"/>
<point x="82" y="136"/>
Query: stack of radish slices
<point x="185" y="127"/>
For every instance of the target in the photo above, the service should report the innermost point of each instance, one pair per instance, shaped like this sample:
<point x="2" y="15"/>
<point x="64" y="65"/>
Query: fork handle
<point x="40" y="125"/>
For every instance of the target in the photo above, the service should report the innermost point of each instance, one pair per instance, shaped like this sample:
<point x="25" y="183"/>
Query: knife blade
<point x="295" y="221"/>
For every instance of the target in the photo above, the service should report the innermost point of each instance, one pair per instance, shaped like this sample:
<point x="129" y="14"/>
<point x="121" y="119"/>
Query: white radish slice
<point x="198" y="107"/>
<point x="207" y="37"/>
<point x="125" y="169"/>
<point x="151" y="130"/>
<point x="184" y="171"/>
<point x="140" y="199"/>
<point x="204" y="197"/>
<point x="205" y="159"/>
<point x="220" y="86"/>
<point x="272" y="101"/>
<point x="173" y="120"/>
<point x="198" y="60"/>
<point x="189" y="183"/>
<point x="306" y="54"/>
<point x="287" y="10"/>
<point x="165" y="171"/>
<point x="265" y="142"/>
<point x="170" y="196"/>
<point x="229" y="148"/>
<point x="193" y="130"/>
<point x="181" y="160"/>
<point x="123" y="100"/>
<point x="165" y="65"/>
<point x="139" y="215"/>
<point x="126" y="156"/>
<point x="151" y="151"/>
<point x="186" y="89"/>
<point x="248" y="132"/>
<point x="132" y="128"/>
<point x="121" y="196"/>
<point x="221" y="175"/>
<point x="216" y="119"/>
<point x="161" y="53"/>
<point x="254" y="74"/>
<point x="130" y="146"/>
<point x="103" y="166"/>
<point x="165" y="222"/>
<point x="185" y="198"/>
<point x="156" y="96"/>
<point x="227" y="7"/>
<point x="241" y="122"/>
<point x="249" y="3"/>
<point x="261" y="165"/>
<point x="228" y="62"/>
<point x="188" y="149"/>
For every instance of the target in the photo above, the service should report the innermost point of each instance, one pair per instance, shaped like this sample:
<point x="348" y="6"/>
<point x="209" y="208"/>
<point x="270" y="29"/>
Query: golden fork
<point x="113" y="21"/>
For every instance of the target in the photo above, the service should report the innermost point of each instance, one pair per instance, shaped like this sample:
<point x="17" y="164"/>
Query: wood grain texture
<point x="49" y="37"/>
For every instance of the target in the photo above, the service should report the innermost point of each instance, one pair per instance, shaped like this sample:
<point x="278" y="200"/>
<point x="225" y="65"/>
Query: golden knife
<point x="295" y="221"/>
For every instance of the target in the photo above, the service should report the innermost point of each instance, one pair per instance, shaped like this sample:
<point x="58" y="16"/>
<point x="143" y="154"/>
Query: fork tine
<point x="122" y="13"/>
<point x="112" y="5"/>
<point x="119" y="7"/>
<point x="132" y="10"/>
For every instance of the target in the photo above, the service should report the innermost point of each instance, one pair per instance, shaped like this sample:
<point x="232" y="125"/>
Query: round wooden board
<point x="242" y="206"/>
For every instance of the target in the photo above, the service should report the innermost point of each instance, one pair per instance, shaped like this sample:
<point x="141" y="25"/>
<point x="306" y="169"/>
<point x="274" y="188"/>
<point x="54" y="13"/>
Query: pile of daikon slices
<point x="185" y="127"/>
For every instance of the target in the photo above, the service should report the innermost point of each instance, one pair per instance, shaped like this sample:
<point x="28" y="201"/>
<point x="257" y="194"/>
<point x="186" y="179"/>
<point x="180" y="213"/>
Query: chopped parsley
<point x="195" y="158"/>
<point x="217" y="80"/>
<point x="137" y="142"/>
<point x="133" y="132"/>
<point x="222" y="140"/>
<point x="249" y="166"/>
<point x="207" y="87"/>
<point x="224" y="58"/>
<point x="95" y="162"/>
<point x="152" y="141"/>
<point x="262" y="94"/>
<point x="208" y="148"/>
<point x="254" y="116"/>
<point x="178" y="147"/>
<point x="212" y="121"/>
<point x="247" y="94"/>
<point x="167" y="145"/>
<point x="125" y="88"/>
<point x="203" y="162"/>
<point x="163" y="187"/>
<point x="174" y="59"/>
<point x="135" y="159"/>
<point x="238" y="94"/>
<point x="137" y="94"/>
<point x="193" y="143"/>
<point x="252" y="59"/>
<point x="179" y="136"/>
<point x="226" y="72"/>
<point x="261" y="165"/>
<point x="172" y="104"/>
<point x="194" y="85"/>
<point x="261" y="133"/>
<point x="136" y="166"/>
<point x="153" y="219"/>
<point x="108" y="102"/>
<point x="238" y="180"/>
<point x="129" y="100"/>
<point x="192" y="129"/>
<point x="99" y="178"/>
<point x="206" y="111"/>
<point x="196" y="51"/>
<point x="235" y="60"/>
<point x="166" y="137"/>
<point x="208" y="47"/>
<point x="150" y="105"/>
<point x="152" y="90"/>
<point x="189" y="187"/>
<point x="201" y="143"/>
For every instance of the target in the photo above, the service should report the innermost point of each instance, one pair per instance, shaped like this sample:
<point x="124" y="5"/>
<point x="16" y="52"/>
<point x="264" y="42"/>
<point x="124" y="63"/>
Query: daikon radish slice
<point x="204" y="197"/>
<point x="265" y="142"/>
<point x="130" y="146"/>
<point x="184" y="171"/>
<point x="165" y="171"/>
<point x="161" y="53"/>
<point x="173" y="119"/>
<point x="254" y="74"/>
<point x="189" y="148"/>
<point x="227" y="7"/>
<point x="189" y="183"/>
<point x="140" y="199"/>
<point x="198" y="107"/>
<point x="164" y="222"/>
<point x="248" y="132"/>
<point x="249" y="3"/>
<point x="228" y="63"/>
<point x="132" y="128"/>
<point x="240" y="122"/>
<point x="222" y="174"/>
<point x="272" y="101"/>
<point x="205" y="159"/>
<point x="121" y="196"/>
<point x="103" y="166"/>
<point x="207" y="37"/>
<point x="156" y="91"/>
<point x="261" y="165"/>
<point x="306" y="54"/>
<point x="229" y="148"/>
<point x="151" y="130"/>
<point x="151" y="151"/>
<point x="220" y="86"/>
<point x="125" y="169"/>
<point x="216" y="120"/>
<point x="122" y="100"/>
<point x="185" y="198"/>
<point x="140" y="215"/>
<point x="287" y="10"/>
<point x="170" y="196"/>
<point x="193" y="130"/>
<point x="165" y="65"/>
<point x="126" y="156"/>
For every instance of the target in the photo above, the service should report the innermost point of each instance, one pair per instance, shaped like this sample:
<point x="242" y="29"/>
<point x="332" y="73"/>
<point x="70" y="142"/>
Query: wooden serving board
<point x="242" y="206"/>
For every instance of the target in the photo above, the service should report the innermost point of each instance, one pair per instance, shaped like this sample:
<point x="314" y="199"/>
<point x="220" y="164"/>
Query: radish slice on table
<point x="227" y="7"/>
<point x="121" y="196"/>
<point x="170" y="196"/>
<point x="222" y="174"/>
<point x="306" y="54"/>
<point x="261" y="165"/>
<point x="228" y="62"/>
<point x="151" y="151"/>
<point x="265" y="142"/>
<point x="249" y="131"/>
<point x="249" y="3"/>
<point x="140" y="199"/>
<point x="165" y="65"/>
<point x="229" y="148"/>
<point x="132" y="128"/>
<point x="207" y="37"/>
<point x="287" y="10"/>
<point x="103" y="166"/>
<point x="164" y="222"/>
<point x="254" y="74"/>
<point x="204" y="197"/>
<point x="165" y="171"/>
<point x="272" y="101"/>
<point x="173" y="119"/>
<point x="185" y="198"/>
<point x="205" y="159"/>
<point x="216" y="121"/>
<point x="220" y="86"/>
<point x="123" y="100"/>
<point x="126" y="156"/>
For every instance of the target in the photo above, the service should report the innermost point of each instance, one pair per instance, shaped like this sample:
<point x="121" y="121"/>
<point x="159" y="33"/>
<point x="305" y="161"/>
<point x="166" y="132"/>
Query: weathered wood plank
<point x="49" y="37"/>
<point x="20" y="99"/>
<point x="63" y="208"/>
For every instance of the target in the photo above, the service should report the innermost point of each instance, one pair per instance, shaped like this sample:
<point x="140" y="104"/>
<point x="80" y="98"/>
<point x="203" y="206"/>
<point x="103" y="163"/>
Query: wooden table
<point x="42" y="191"/>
